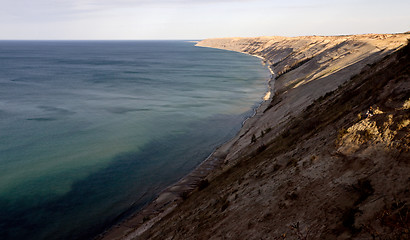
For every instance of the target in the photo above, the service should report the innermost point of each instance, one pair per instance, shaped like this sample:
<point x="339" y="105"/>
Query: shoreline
<point x="306" y="69"/>
<point x="170" y="197"/>
<point x="306" y="161"/>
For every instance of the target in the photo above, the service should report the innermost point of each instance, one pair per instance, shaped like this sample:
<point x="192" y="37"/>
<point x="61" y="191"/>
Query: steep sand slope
<point x="333" y="173"/>
<point x="305" y="68"/>
<point x="305" y="159"/>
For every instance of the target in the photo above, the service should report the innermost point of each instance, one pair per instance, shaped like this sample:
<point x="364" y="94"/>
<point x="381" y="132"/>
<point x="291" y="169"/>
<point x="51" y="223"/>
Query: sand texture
<point x="310" y="164"/>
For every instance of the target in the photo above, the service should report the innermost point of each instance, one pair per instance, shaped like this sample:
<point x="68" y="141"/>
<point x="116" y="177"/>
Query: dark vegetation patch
<point x="394" y="219"/>
<point x="203" y="184"/>
<point x="261" y="148"/>
<point x="253" y="139"/>
<point x="184" y="195"/>
<point x="224" y="206"/>
<point x="363" y="189"/>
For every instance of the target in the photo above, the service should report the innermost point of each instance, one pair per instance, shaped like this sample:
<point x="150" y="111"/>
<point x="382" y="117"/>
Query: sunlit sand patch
<point x="267" y="96"/>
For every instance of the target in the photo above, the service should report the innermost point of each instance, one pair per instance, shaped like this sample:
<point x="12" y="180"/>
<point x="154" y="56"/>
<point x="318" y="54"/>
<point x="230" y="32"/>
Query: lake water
<point x="93" y="130"/>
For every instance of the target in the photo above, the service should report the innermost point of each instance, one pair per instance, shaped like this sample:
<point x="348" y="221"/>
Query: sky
<point x="197" y="19"/>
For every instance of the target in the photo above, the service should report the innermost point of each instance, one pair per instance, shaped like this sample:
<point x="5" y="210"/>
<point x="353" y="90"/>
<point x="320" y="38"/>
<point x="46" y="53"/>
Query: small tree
<point x="253" y="138"/>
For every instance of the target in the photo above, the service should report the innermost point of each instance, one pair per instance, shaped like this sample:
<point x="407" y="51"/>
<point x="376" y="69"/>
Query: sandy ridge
<point x="303" y="68"/>
<point x="322" y="63"/>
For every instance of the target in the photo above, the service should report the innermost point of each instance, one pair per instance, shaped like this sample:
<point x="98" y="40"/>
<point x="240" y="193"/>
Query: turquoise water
<point x="91" y="131"/>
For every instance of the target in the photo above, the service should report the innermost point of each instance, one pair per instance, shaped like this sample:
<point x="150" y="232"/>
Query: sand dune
<point x="309" y="164"/>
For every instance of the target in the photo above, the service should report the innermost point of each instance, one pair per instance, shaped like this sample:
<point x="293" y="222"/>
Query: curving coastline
<point x="169" y="198"/>
<point x="305" y="69"/>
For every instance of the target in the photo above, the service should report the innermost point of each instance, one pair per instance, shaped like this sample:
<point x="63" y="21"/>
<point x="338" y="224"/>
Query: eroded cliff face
<point x="320" y="56"/>
<point x="315" y="162"/>
<point x="304" y="69"/>
<point x="338" y="169"/>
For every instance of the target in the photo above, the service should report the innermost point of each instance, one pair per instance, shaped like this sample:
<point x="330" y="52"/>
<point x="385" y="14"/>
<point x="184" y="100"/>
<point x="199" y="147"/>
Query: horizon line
<point x="101" y="39"/>
<point x="199" y="39"/>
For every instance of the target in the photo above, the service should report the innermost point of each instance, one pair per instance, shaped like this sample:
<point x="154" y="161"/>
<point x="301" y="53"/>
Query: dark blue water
<point x="92" y="130"/>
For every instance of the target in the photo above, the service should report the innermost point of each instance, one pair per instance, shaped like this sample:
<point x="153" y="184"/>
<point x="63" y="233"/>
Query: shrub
<point x="261" y="148"/>
<point x="203" y="184"/>
<point x="253" y="138"/>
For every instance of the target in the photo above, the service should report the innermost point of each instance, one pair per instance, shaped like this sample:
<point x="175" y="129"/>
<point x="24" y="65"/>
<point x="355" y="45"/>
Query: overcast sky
<point x="197" y="19"/>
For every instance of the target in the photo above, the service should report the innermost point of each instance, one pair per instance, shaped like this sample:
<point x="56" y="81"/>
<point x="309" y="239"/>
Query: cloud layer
<point x="194" y="19"/>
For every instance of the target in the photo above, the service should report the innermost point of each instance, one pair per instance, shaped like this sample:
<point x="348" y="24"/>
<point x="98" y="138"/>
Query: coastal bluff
<point x="326" y="156"/>
<point x="303" y="69"/>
